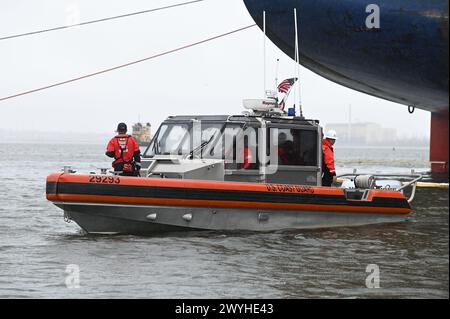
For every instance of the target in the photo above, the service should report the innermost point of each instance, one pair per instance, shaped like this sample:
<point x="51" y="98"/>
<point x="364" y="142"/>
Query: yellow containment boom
<point x="432" y="185"/>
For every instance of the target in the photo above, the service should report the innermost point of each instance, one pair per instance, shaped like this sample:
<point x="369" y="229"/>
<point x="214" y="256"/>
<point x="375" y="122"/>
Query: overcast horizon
<point x="212" y="78"/>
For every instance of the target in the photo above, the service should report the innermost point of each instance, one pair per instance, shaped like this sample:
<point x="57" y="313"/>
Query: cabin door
<point x="293" y="155"/>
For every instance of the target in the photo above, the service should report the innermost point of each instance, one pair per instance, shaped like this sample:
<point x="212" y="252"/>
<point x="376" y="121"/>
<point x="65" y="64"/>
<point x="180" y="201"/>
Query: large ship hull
<point x="405" y="60"/>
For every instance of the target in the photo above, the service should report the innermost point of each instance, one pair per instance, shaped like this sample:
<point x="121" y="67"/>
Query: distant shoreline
<point x="400" y="147"/>
<point x="84" y="138"/>
<point x="105" y="141"/>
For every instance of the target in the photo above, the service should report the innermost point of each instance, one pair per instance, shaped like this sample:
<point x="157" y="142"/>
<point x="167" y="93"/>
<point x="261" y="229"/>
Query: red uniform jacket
<point x="248" y="158"/>
<point x="328" y="156"/>
<point x="124" y="147"/>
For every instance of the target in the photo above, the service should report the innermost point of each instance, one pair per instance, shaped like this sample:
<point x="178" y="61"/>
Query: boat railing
<point x="401" y="181"/>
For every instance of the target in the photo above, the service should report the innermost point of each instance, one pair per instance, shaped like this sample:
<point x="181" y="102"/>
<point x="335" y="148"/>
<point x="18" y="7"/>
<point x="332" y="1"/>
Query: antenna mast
<point x="297" y="62"/>
<point x="264" y="26"/>
<point x="276" y="80"/>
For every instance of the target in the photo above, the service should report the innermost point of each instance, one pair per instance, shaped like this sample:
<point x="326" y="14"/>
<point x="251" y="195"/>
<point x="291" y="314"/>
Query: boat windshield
<point x="177" y="139"/>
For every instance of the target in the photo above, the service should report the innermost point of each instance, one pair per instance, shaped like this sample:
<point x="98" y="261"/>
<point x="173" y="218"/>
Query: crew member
<point x="328" y="169"/>
<point x="126" y="153"/>
<point x="248" y="156"/>
<point x="285" y="150"/>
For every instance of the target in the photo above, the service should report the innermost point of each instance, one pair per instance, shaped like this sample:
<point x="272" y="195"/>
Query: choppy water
<point x="36" y="245"/>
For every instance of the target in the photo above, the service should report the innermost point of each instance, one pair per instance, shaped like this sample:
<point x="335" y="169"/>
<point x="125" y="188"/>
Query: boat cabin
<point x="260" y="147"/>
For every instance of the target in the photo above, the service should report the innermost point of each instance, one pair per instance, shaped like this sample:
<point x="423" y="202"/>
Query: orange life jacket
<point x="124" y="146"/>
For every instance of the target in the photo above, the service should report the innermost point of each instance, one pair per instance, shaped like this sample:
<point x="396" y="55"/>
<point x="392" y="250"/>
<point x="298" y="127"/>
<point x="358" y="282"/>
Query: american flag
<point x="286" y="85"/>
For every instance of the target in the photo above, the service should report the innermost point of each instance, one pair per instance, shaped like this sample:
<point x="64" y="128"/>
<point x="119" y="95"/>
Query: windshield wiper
<point x="156" y="146"/>
<point x="200" y="147"/>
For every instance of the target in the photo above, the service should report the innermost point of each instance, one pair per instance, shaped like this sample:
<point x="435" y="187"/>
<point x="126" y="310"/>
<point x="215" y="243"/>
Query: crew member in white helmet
<point x="328" y="168"/>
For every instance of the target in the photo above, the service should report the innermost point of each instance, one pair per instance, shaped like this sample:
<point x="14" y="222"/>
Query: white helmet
<point x="331" y="134"/>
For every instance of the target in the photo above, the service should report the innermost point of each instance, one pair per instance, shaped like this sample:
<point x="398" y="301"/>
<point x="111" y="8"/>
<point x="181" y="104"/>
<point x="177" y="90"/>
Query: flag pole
<point x="297" y="58"/>
<point x="264" y="26"/>
<point x="276" y="77"/>
<point x="283" y="102"/>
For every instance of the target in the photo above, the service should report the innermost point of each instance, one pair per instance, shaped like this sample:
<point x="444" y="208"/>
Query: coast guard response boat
<point x="258" y="171"/>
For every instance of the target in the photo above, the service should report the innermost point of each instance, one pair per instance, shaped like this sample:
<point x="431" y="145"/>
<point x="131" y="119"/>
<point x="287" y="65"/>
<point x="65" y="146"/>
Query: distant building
<point x="142" y="133"/>
<point x="363" y="133"/>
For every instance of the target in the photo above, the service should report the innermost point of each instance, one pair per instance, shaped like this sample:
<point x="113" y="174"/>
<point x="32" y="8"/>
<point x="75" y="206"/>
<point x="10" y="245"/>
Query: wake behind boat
<point x="259" y="171"/>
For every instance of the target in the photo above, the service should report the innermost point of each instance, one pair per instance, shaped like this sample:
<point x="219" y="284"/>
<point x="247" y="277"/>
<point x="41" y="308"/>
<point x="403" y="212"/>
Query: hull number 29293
<point x="104" y="179"/>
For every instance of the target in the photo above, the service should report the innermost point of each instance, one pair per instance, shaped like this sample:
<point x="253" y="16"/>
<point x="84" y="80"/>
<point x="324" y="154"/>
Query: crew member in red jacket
<point x="328" y="169"/>
<point x="248" y="156"/>
<point x="126" y="153"/>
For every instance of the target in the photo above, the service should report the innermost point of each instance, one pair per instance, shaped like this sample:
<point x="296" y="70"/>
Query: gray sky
<point x="212" y="78"/>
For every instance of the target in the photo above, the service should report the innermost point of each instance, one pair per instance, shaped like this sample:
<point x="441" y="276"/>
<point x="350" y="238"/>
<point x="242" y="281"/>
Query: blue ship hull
<point x="405" y="60"/>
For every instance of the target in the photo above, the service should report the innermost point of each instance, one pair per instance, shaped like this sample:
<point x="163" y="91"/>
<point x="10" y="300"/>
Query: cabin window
<point x="240" y="148"/>
<point x="296" y="147"/>
<point x="236" y="144"/>
<point x="210" y="137"/>
<point x="181" y="139"/>
<point x="173" y="139"/>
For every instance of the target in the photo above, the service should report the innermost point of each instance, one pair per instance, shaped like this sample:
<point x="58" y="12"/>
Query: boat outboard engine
<point x="365" y="181"/>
